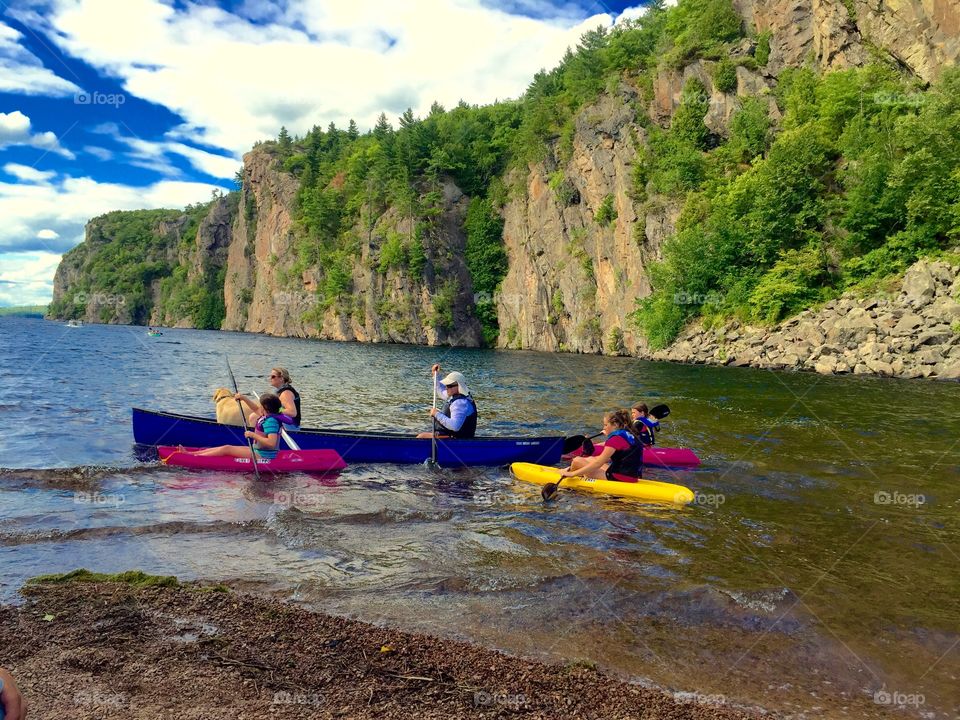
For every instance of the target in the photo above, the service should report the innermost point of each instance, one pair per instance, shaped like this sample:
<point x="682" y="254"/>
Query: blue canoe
<point x="163" y="428"/>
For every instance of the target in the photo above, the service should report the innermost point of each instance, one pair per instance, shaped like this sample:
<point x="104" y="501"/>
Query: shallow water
<point x="808" y="578"/>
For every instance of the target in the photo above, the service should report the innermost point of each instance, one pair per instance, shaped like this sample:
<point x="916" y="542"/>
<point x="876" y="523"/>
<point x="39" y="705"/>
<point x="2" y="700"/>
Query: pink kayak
<point x="654" y="455"/>
<point x="286" y="461"/>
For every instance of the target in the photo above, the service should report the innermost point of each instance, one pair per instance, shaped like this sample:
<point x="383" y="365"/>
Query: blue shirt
<point x="269" y="426"/>
<point x="459" y="411"/>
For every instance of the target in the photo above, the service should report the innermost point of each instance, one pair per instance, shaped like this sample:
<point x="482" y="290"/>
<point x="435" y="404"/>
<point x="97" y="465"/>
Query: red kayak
<point x="654" y="455"/>
<point x="286" y="461"/>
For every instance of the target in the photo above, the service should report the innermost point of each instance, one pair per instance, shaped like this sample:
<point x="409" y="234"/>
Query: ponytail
<point x="621" y="420"/>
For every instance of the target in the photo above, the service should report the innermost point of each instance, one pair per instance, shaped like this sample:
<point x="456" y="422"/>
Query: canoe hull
<point x="655" y="456"/>
<point x="159" y="428"/>
<point x="286" y="461"/>
<point x="648" y="490"/>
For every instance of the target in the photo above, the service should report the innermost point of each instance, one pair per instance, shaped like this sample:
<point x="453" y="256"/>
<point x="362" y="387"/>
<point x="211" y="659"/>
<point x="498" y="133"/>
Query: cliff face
<point x="572" y="280"/>
<point x="922" y="35"/>
<point x="266" y="292"/>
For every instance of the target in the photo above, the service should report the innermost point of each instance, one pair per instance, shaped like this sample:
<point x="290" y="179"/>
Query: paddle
<point x="243" y="416"/>
<point x="550" y="489"/>
<point x="432" y="461"/>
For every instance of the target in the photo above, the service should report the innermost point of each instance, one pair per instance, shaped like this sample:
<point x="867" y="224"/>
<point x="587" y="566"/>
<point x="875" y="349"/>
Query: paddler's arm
<point x="264" y="442"/>
<point x="458" y="415"/>
<point x="594" y="462"/>
<point x="247" y="401"/>
<point x="288" y="401"/>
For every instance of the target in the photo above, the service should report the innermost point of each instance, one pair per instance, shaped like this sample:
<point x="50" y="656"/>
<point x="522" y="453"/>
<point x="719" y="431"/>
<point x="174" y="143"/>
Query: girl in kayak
<point x="645" y="426"/>
<point x="289" y="399"/>
<point x="264" y="437"/>
<point x="622" y="455"/>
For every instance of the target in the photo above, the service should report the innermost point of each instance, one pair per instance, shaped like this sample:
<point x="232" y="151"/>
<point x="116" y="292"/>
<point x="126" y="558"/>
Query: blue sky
<point x="125" y="104"/>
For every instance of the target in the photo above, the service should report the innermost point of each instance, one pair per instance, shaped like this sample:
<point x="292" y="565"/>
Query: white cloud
<point x="235" y="82"/>
<point x="98" y="152"/>
<point x="15" y="130"/>
<point x="27" y="278"/>
<point x="51" y="217"/>
<point x="27" y="173"/>
<point x="22" y="72"/>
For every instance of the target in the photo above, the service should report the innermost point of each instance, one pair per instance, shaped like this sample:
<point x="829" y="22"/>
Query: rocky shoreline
<point x="150" y="648"/>
<point x="913" y="332"/>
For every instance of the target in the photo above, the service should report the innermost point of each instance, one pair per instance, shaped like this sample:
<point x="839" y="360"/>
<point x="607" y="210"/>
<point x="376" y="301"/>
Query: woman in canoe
<point x="289" y="399"/>
<point x="645" y="426"/>
<point x="265" y="436"/>
<point x="457" y="418"/>
<point x="622" y="455"/>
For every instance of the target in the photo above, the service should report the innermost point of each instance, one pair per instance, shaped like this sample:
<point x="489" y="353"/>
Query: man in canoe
<point x="289" y="399"/>
<point x="457" y="417"/>
<point x="622" y="455"/>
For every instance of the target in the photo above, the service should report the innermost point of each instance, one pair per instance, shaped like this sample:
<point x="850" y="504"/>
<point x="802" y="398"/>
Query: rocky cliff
<point x="266" y="291"/>
<point x="911" y="331"/>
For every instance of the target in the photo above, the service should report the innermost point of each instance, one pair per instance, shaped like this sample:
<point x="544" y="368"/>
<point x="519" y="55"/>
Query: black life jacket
<point x="469" y="427"/>
<point x="645" y="432"/>
<point x="296" y="400"/>
<point x="627" y="463"/>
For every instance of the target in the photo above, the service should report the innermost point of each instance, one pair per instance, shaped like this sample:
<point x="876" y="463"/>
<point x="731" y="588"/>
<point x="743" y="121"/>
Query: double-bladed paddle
<point x="243" y="416"/>
<point x="585" y="445"/>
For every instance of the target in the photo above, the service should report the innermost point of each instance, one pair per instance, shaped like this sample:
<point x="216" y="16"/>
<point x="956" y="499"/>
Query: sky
<point x="127" y="104"/>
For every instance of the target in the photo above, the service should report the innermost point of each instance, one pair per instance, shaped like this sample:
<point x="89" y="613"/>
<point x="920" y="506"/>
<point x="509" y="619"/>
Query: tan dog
<point x="228" y="410"/>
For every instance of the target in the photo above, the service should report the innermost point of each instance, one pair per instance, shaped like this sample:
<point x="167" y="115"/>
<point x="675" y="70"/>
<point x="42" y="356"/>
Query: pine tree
<point x="284" y="141"/>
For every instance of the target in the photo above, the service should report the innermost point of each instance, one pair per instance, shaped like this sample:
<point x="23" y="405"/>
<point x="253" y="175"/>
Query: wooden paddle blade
<point x="574" y="442"/>
<point x="549" y="490"/>
<point x="660" y="411"/>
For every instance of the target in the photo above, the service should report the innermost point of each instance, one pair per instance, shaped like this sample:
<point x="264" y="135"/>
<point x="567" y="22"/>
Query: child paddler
<point x="645" y="426"/>
<point x="622" y="455"/>
<point x="265" y="435"/>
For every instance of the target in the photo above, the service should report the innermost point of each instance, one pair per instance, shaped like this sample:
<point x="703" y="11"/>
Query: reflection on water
<point x="817" y="571"/>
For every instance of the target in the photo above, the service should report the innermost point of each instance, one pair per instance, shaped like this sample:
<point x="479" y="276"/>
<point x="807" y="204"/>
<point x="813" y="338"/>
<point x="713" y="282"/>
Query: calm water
<point x="817" y="574"/>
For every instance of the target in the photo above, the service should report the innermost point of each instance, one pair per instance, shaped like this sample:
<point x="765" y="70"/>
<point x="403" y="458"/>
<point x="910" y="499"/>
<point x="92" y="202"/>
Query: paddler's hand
<point x="249" y="434"/>
<point x="433" y="412"/>
<point x="435" y="368"/>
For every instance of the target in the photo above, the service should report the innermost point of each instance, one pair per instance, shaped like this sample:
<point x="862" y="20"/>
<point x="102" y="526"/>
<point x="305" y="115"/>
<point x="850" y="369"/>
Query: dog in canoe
<point x="228" y="411"/>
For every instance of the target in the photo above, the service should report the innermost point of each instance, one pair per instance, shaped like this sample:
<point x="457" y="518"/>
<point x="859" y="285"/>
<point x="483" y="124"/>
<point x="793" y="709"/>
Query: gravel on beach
<point x="185" y="651"/>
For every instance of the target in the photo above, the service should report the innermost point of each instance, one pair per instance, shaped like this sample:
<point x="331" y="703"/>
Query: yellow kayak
<point x="641" y="490"/>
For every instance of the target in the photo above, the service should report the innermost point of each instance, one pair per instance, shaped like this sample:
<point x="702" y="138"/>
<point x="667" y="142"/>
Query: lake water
<point x="817" y="573"/>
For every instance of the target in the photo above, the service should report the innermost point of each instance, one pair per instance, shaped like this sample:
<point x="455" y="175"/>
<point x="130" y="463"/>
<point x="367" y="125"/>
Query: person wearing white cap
<point x="457" y="418"/>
